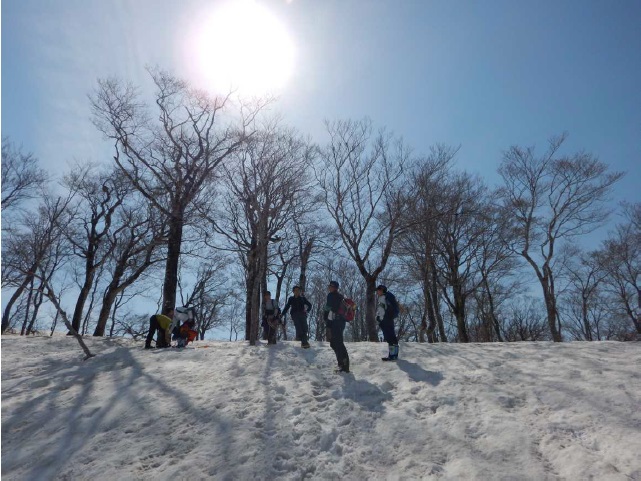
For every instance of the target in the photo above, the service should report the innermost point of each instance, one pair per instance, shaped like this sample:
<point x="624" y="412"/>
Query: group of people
<point x="178" y="324"/>
<point x="273" y="319"/>
<point x="387" y="309"/>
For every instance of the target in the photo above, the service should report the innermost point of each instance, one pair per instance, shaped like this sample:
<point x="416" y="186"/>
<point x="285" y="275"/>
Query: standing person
<point x="299" y="306"/>
<point x="271" y="313"/>
<point x="336" y="325"/>
<point x="160" y="323"/>
<point x="386" y="311"/>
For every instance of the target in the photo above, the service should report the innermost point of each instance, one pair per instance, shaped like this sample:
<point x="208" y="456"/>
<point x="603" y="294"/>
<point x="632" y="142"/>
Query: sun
<point x="240" y="45"/>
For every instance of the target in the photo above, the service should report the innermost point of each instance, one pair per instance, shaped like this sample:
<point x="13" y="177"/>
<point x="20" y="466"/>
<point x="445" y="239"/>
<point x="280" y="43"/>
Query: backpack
<point x="390" y="299"/>
<point x="347" y="309"/>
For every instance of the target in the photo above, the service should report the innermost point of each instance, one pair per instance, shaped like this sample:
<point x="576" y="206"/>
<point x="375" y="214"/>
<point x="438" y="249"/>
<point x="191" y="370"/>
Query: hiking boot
<point x="345" y="366"/>
<point x="305" y="346"/>
<point x="393" y="354"/>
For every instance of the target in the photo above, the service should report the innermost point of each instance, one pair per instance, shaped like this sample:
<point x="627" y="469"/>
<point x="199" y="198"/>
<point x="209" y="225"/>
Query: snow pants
<point x="154" y="327"/>
<point x="387" y="326"/>
<point x="269" y="332"/>
<point x="336" y="342"/>
<point x="300" y="323"/>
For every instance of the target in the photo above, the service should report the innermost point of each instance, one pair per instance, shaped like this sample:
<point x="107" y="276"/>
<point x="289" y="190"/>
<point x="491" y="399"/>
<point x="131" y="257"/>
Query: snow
<point x="228" y="411"/>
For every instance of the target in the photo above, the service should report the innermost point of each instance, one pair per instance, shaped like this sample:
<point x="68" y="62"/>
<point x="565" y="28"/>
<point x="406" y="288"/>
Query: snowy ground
<point x="230" y="411"/>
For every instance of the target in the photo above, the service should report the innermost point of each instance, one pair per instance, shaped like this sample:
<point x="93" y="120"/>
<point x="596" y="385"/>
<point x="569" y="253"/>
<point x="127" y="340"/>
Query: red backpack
<point x="347" y="309"/>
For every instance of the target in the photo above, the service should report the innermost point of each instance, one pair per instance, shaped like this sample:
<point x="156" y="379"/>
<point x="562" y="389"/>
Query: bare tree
<point x="32" y="246"/>
<point x="265" y="182"/>
<point x="461" y="232"/>
<point x="22" y="178"/>
<point x="620" y="256"/>
<point x="58" y="254"/>
<point x="586" y="304"/>
<point x="40" y="246"/>
<point x="525" y="321"/>
<point x="172" y="161"/>
<point x="496" y="264"/>
<point x="89" y="225"/>
<point x="135" y="250"/>
<point x="551" y="199"/>
<point x="361" y="182"/>
<point x="281" y="261"/>
<point x="417" y="245"/>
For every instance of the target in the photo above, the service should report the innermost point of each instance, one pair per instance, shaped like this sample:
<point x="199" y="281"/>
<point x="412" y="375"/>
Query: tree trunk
<point x="16" y="295"/>
<point x="116" y="304"/>
<point x="82" y="297"/>
<point x="174" y="244"/>
<point x="279" y="284"/>
<point x="459" y="307"/>
<point x="431" y="315"/>
<point x="92" y="302"/>
<point x="441" y="324"/>
<point x="23" y="330"/>
<point x="494" y="319"/>
<point x="107" y="302"/>
<point x="259" y="278"/>
<point x="249" y="294"/>
<point x="370" y="311"/>
<point x="54" y="300"/>
<point x="636" y="320"/>
<point x="37" y="302"/>
<point x="304" y="261"/>
<point x="435" y="303"/>
<point x="586" y="321"/>
<point x="550" y="307"/>
<point x="54" y="323"/>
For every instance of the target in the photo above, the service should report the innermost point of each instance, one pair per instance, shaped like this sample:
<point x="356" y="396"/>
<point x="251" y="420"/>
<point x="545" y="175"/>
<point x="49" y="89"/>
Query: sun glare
<point x="241" y="45"/>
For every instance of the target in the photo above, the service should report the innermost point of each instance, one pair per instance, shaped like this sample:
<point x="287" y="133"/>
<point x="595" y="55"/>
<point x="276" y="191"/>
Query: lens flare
<point x="241" y="45"/>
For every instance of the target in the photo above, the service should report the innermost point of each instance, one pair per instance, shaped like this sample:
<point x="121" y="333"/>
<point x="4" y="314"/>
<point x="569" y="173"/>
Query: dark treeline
<point x="208" y="202"/>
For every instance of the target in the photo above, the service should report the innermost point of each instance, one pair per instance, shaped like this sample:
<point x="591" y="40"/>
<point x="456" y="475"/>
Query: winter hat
<point x="334" y="284"/>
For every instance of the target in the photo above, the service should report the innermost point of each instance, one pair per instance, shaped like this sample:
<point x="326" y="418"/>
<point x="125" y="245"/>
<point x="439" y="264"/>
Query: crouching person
<point x="184" y="324"/>
<point x="187" y="333"/>
<point x="159" y="323"/>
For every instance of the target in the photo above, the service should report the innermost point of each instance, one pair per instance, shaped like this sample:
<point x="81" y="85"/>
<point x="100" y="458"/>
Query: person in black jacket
<point x="386" y="311"/>
<point x="299" y="306"/>
<point x="336" y="325"/>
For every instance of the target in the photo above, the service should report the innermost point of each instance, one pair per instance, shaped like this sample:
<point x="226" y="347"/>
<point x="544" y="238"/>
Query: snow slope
<point x="230" y="411"/>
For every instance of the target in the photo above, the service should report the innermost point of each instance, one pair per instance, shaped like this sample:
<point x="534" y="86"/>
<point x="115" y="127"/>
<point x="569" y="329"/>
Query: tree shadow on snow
<point x="417" y="374"/>
<point x="78" y="400"/>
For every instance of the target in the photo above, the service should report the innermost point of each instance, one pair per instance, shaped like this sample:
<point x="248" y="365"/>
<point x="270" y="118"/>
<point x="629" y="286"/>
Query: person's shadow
<point x="417" y="374"/>
<point x="370" y="396"/>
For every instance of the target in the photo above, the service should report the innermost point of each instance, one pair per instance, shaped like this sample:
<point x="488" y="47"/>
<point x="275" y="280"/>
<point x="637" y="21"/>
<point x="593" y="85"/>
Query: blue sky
<point x="482" y="74"/>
